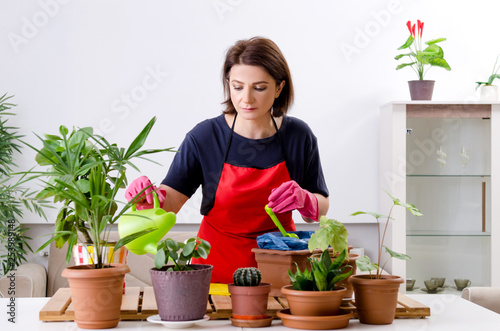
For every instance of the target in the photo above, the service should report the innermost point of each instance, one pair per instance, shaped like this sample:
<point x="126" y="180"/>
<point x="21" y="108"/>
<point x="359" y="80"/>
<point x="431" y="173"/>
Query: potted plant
<point x="13" y="242"/>
<point x="376" y="294"/>
<point x="181" y="289"/>
<point x="332" y="235"/>
<point x="249" y="298"/>
<point x="315" y="297"/>
<point x="274" y="264"/>
<point x="489" y="92"/>
<point x="421" y="59"/>
<point x="83" y="173"/>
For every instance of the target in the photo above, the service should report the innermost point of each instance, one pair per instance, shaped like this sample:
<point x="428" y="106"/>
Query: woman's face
<point x="253" y="91"/>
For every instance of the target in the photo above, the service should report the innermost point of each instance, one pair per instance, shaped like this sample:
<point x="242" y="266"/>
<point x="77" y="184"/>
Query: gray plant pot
<point x="421" y="89"/>
<point x="182" y="295"/>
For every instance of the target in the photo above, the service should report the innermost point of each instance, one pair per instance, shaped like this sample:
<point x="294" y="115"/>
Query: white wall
<point x="114" y="64"/>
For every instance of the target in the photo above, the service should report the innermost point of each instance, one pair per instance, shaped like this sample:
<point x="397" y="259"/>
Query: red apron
<point x="238" y="217"/>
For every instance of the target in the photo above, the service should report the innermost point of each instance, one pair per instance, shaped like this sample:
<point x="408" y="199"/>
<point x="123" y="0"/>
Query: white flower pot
<point x="488" y="93"/>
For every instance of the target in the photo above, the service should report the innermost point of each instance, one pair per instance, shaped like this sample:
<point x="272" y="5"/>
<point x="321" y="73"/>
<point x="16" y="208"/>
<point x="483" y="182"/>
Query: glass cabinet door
<point x="449" y="179"/>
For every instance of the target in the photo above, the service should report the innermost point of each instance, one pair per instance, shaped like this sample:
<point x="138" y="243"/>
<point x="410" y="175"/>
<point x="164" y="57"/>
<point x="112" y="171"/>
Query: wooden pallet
<point x="139" y="305"/>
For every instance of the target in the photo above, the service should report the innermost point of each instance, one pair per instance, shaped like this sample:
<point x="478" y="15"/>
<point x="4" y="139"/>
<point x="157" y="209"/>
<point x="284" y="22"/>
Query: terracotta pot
<point x="96" y="294"/>
<point x="313" y="303"/>
<point x="249" y="302"/>
<point x="421" y="89"/>
<point x="182" y="295"/>
<point x="376" y="299"/>
<point x="339" y="321"/>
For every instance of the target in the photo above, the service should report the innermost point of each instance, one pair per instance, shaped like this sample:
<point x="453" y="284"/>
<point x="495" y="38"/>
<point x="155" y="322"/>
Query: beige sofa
<point x="488" y="297"/>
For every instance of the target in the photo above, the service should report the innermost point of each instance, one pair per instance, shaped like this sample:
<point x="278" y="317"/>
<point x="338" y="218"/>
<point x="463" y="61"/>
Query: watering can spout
<point x="140" y="220"/>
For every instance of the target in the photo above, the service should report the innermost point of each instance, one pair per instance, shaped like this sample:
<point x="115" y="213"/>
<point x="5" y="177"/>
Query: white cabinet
<point x="444" y="157"/>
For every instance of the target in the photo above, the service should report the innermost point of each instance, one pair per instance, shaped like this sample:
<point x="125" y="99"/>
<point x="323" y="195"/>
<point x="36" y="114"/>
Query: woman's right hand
<point x="145" y="199"/>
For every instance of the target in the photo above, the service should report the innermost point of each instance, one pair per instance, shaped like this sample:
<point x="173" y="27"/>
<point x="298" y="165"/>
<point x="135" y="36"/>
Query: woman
<point x="250" y="156"/>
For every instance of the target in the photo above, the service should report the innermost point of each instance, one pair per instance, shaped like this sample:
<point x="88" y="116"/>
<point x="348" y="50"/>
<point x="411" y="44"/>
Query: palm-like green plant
<point x="14" y="244"/>
<point x="84" y="172"/>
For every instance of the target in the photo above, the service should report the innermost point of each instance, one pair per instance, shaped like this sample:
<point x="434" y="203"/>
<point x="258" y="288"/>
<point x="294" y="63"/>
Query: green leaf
<point x="160" y="259"/>
<point x="202" y="252"/>
<point x="402" y="65"/>
<point x="376" y="215"/>
<point x="396" y="254"/>
<point x="189" y="248"/>
<point x="431" y="42"/>
<point x="83" y="185"/>
<point x="365" y="264"/>
<point x="397" y="57"/>
<point x="331" y="233"/>
<point x="410" y="207"/>
<point x="408" y="43"/>
<point x="439" y="62"/>
<point x="140" y="139"/>
<point x="131" y="237"/>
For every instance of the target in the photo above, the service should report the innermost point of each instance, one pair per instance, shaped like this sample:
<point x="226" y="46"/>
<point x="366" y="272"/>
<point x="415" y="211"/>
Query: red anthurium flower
<point x="413" y="30"/>
<point x="408" y="24"/>
<point x="420" y="27"/>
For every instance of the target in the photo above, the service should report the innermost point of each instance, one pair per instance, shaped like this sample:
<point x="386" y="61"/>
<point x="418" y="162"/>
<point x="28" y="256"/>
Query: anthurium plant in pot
<point x="376" y="294"/>
<point x="83" y="173"/>
<point x="181" y="289"/>
<point x="421" y="60"/>
<point x="249" y="297"/>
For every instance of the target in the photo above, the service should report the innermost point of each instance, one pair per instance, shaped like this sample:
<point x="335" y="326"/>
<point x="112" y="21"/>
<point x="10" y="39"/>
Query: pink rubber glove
<point x="146" y="198"/>
<point x="289" y="196"/>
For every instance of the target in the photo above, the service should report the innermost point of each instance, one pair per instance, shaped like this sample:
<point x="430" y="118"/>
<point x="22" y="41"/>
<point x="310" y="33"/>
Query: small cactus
<point x="247" y="277"/>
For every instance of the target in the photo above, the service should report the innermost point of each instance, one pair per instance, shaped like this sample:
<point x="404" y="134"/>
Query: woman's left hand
<point x="289" y="196"/>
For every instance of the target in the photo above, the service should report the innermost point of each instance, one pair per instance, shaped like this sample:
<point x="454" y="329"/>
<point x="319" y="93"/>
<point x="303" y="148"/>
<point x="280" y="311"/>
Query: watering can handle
<point x="155" y="200"/>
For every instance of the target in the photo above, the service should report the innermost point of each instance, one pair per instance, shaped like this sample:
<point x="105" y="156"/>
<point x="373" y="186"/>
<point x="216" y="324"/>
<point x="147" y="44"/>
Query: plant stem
<point x="380" y="244"/>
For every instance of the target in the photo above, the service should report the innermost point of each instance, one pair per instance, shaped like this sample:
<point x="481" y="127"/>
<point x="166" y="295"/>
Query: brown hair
<point x="262" y="52"/>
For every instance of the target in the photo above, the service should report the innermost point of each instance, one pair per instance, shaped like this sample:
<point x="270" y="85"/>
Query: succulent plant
<point x="247" y="277"/>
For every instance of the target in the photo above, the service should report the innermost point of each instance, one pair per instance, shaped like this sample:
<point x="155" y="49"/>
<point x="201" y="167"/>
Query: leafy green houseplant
<point x="325" y="274"/>
<point x="377" y="294"/>
<point x="421" y="58"/>
<point x="181" y="290"/>
<point x="315" y="292"/>
<point x="14" y="244"/>
<point x="83" y="172"/>
<point x="180" y="253"/>
<point x="364" y="263"/>
<point x="489" y="92"/>
<point x="494" y="75"/>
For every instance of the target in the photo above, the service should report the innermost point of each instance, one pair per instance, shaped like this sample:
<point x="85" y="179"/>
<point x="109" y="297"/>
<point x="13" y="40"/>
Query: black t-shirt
<point x="201" y="156"/>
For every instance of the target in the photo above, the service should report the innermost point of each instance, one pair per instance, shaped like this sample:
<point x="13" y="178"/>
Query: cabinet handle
<point x="484" y="206"/>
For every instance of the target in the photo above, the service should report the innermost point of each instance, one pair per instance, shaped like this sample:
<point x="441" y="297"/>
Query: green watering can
<point x="140" y="220"/>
